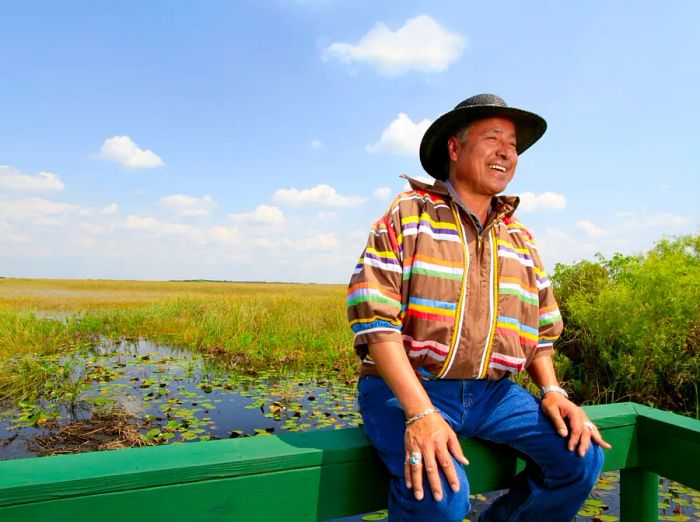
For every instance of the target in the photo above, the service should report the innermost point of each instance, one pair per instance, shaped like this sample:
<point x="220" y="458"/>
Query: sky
<point x="258" y="140"/>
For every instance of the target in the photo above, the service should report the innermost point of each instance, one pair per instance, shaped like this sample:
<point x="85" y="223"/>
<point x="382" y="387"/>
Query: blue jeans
<point x="553" y="486"/>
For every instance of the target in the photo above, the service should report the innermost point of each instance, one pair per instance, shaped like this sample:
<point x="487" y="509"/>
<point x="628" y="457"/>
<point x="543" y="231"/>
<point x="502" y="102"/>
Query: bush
<point x="633" y="326"/>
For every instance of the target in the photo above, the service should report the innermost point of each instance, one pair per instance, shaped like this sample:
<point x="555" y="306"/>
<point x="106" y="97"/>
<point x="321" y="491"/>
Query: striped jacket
<point x="464" y="305"/>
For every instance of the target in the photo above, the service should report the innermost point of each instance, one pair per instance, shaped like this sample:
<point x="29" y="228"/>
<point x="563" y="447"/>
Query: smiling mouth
<point x="497" y="167"/>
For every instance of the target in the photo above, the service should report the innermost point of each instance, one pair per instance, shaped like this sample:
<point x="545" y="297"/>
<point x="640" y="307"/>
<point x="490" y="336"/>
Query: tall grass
<point x="245" y="326"/>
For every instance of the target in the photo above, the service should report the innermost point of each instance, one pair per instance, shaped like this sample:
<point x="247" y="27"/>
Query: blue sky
<point x="258" y="140"/>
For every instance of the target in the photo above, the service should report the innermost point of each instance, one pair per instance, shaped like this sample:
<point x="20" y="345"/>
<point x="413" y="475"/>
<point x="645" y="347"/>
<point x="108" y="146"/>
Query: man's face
<point x="484" y="163"/>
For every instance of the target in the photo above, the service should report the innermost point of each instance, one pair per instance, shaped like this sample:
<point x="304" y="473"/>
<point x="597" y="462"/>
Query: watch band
<point x="553" y="388"/>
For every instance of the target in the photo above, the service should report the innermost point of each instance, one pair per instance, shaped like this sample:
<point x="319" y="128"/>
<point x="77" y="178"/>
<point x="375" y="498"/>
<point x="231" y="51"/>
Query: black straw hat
<point x="529" y="127"/>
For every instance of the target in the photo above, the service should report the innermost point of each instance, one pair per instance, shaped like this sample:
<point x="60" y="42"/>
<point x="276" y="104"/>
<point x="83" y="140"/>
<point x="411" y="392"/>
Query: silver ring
<point x="589" y="425"/>
<point x="415" y="459"/>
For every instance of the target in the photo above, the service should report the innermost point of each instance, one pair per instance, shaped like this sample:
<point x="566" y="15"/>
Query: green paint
<point x="315" y="475"/>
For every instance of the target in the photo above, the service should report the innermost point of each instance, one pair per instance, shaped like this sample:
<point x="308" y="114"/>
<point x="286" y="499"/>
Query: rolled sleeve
<point x="550" y="324"/>
<point x="374" y="294"/>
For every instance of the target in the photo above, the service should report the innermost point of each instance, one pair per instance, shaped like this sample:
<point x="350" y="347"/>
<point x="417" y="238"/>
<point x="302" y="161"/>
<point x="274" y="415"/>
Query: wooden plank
<point x="624" y="448"/>
<point x="351" y="487"/>
<point x="39" y="479"/>
<point x="46" y="478"/>
<point x="612" y="415"/>
<point x="491" y="466"/>
<point x="669" y="445"/>
<point x="287" y="495"/>
<point x="639" y="495"/>
<point x="317" y="475"/>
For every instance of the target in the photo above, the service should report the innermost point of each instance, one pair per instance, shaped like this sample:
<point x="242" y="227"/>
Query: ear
<point x="452" y="148"/>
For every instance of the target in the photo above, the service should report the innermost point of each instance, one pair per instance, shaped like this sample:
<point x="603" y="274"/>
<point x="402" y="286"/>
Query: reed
<point x="246" y="326"/>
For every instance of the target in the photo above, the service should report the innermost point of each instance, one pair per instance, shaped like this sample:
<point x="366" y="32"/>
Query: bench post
<point x="639" y="495"/>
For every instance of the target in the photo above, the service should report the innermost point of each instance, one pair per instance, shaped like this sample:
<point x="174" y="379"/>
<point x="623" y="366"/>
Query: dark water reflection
<point x="179" y="395"/>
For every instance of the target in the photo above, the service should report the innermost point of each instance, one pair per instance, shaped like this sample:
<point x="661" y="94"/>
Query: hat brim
<point x="529" y="127"/>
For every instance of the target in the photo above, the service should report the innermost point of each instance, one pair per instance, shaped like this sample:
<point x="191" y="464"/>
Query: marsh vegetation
<point x="138" y="363"/>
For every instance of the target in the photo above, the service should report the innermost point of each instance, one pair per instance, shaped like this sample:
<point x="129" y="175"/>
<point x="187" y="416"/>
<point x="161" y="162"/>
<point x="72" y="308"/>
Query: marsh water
<point x="176" y="395"/>
<point x="169" y="395"/>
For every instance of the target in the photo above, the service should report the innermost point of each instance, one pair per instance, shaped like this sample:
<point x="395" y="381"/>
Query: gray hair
<point x="461" y="134"/>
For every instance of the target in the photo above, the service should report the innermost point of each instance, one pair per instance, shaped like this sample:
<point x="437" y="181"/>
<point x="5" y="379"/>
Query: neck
<point x="479" y="204"/>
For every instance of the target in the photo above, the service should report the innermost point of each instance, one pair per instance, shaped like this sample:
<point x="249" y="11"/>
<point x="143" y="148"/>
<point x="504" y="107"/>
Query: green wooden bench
<point x="311" y="476"/>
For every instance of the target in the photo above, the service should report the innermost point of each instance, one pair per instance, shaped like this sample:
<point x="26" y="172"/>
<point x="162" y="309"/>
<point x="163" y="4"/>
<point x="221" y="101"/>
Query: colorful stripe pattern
<point x="517" y="287"/>
<point x="425" y="224"/>
<point x="374" y="324"/>
<point x="510" y="326"/>
<point x="507" y="363"/>
<point x="508" y="250"/>
<point x="372" y="293"/>
<point x="431" y="309"/>
<point x="431" y="266"/>
<point x="416" y="279"/>
<point x="433" y="349"/>
<point x="549" y="316"/>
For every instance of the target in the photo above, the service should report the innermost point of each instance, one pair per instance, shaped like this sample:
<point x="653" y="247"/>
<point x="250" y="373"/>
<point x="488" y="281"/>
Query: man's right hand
<point x="434" y="439"/>
<point x="430" y="436"/>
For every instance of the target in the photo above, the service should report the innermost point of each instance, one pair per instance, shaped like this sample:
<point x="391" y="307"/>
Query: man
<point x="449" y="299"/>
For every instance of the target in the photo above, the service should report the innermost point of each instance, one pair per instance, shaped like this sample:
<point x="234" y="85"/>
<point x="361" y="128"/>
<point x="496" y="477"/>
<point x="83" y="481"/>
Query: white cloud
<point x="324" y="217"/>
<point x="158" y="228"/>
<point x="226" y="235"/>
<point x="40" y="211"/>
<point x="94" y="228"/>
<point x="262" y="215"/>
<point x="313" y="242"/>
<point x="591" y="229"/>
<point x="319" y="195"/>
<point x="188" y="206"/>
<point x="642" y="219"/>
<point x="316" y="144"/>
<point x="382" y="194"/>
<point x="530" y="202"/>
<point x="402" y="136"/>
<point x="13" y="180"/>
<point x="421" y="44"/>
<point x="630" y="232"/>
<point x="358" y="235"/>
<point x="122" y="150"/>
<point x="110" y="209"/>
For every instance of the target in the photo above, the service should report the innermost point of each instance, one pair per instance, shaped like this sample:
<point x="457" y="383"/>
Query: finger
<point x="575" y="435"/>
<point x="575" y="431"/>
<point x="431" y="470"/>
<point x="556" y="418"/>
<point x="456" y="449"/>
<point x="417" y="480"/>
<point x="598" y="439"/>
<point x="444" y="459"/>
<point x="407" y="473"/>
<point x="584" y="442"/>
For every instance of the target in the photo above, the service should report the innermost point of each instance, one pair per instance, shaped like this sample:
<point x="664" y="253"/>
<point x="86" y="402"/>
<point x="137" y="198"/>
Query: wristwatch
<point x="553" y="388"/>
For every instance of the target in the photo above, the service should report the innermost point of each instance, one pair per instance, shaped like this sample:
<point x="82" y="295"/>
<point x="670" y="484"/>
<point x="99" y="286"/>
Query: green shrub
<point x="633" y="326"/>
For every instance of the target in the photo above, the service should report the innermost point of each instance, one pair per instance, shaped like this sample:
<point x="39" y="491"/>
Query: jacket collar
<point x="503" y="206"/>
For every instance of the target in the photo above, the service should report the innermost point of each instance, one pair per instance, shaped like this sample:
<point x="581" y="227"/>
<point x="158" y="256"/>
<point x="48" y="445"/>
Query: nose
<point x="506" y="150"/>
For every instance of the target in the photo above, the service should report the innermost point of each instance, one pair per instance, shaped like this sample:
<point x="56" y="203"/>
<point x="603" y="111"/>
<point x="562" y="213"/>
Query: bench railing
<point x="316" y="475"/>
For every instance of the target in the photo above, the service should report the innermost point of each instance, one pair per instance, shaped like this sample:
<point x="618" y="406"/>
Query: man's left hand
<point x="582" y="430"/>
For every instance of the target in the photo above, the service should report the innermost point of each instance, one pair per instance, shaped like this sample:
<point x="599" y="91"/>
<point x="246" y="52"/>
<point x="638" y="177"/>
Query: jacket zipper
<point x="493" y="301"/>
<point x="459" y="313"/>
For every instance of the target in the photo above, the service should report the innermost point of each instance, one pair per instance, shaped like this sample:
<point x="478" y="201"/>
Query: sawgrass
<point x="246" y="326"/>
